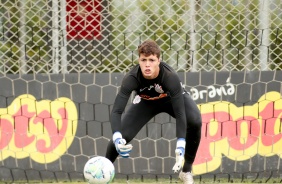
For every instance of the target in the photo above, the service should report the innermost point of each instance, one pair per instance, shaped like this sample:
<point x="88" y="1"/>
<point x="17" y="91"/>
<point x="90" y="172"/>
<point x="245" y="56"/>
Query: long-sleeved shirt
<point x="166" y="87"/>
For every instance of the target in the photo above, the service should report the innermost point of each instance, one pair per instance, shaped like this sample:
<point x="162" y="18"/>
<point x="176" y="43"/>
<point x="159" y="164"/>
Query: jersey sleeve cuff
<point x="116" y="135"/>
<point x="181" y="142"/>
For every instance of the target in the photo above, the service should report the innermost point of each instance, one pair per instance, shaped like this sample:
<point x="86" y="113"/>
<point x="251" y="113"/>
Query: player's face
<point x="149" y="66"/>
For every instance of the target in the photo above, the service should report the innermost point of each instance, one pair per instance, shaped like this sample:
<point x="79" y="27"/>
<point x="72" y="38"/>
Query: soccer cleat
<point x="186" y="177"/>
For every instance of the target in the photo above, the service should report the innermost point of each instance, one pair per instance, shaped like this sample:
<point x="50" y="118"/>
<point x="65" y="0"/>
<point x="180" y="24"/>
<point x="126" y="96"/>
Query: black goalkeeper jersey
<point x="165" y="88"/>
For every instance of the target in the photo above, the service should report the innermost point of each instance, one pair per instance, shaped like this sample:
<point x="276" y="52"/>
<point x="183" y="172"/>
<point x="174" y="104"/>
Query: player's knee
<point x="198" y="124"/>
<point x="195" y="122"/>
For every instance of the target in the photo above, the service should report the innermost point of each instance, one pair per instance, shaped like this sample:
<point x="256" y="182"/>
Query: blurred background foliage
<point x="194" y="35"/>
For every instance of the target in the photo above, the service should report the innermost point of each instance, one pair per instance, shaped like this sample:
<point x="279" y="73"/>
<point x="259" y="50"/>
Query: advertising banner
<point x="52" y="124"/>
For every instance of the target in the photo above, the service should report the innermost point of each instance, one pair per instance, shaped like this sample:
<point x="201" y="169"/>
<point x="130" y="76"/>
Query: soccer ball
<point x="99" y="170"/>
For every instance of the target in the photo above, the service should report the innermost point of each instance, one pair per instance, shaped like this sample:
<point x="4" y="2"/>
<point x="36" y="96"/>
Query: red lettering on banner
<point x="29" y="128"/>
<point x="241" y="133"/>
<point x="7" y="131"/>
<point x="22" y="122"/>
<point x="56" y="135"/>
<point x="237" y="142"/>
<point x="207" y="139"/>
<point x="270" y="117"/>
<point x="22" y="118"/>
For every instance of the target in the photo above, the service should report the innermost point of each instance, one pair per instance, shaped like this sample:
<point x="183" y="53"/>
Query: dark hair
<point x="149" y="47"/>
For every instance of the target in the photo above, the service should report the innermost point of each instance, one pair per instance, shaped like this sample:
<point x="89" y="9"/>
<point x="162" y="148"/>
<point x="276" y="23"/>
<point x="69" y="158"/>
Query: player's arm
<point x="119" y="105"/>
<point x="175" y="89"/>
<point x="129" y="84"/>
<point x="176" y="93"/>
<point x="118" y="108"/>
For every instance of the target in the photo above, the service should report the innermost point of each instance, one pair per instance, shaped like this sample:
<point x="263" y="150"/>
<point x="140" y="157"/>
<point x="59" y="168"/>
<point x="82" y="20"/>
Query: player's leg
<point x="135" y="117"/>
<point x="193" y="137"/>
<point x="193" y="133"/>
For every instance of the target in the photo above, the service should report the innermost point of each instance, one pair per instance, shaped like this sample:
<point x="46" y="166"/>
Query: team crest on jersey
<point x="158" y="88"/>
<point x="137" y="99"/>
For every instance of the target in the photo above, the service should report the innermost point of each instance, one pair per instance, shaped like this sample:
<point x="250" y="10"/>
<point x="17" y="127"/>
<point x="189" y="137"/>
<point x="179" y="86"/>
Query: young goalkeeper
<point x="158" y="89"/>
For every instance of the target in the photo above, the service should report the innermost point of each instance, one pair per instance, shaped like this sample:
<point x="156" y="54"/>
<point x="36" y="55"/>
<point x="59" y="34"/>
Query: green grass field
<point x="161" y="182"/>
<point x="169" y="180"/>
<point x="175" y="181"/>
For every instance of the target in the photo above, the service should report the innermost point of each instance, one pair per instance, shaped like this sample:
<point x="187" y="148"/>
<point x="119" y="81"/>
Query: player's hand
<point x="122" y="148"/>
<point x="179" y="155"/>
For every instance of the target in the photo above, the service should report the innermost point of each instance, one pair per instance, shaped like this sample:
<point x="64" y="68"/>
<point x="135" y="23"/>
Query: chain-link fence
<point x="99" y="38"/>
<point x="69" y="36"/>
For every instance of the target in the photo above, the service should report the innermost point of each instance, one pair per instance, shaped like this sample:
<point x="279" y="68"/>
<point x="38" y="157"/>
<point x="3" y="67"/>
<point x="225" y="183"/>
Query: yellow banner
<point x="239" y="133"/>
<point x="41" y="130"/>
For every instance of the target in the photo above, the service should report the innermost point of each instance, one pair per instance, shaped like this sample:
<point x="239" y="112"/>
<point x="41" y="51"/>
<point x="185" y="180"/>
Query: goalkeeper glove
<point x="179" y="153"/>
<point x="121" y="146"/>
